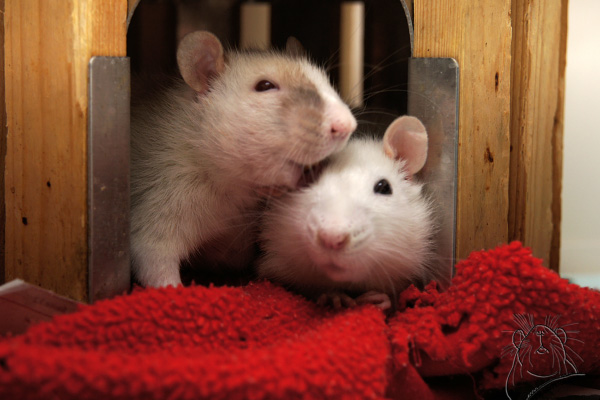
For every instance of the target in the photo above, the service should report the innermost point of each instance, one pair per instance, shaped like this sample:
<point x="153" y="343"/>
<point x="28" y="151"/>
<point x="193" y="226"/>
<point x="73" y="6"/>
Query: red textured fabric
<point x="470" y="328"/>
<point x="262" y="342"/>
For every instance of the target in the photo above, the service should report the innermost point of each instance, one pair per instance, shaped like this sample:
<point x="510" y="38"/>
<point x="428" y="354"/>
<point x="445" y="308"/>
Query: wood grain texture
<point x="558" y="142"/>
<point x="478" y="36"/>
<point x="48" y="45"/>
<point x="2" y="145"/>
<point x="539" y="50"/>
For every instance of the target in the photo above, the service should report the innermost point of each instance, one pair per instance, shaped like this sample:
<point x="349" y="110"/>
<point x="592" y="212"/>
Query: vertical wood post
<point x="2" y="146"/>
<point x="538" y="82"/>
<point x="48" y="45"/>
<point x="478" y="35"/>
<point x="511" y="55"/>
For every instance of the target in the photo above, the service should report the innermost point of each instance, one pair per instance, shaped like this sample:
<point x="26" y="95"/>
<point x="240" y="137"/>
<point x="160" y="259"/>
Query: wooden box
<point x="511" y="55"/>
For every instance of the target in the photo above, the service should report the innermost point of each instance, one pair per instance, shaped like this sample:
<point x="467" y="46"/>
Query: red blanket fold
<point x="260" y="341"/>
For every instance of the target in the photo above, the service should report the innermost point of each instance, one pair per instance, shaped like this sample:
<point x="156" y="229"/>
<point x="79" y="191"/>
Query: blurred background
<point x="377" y="96"/>
<point x="580" y="237"/>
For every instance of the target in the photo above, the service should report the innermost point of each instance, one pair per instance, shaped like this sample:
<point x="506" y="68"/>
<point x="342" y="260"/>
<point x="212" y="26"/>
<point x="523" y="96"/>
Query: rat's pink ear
<point x="294" y="48"/>
<point x="200" y="59"/>
<point x="406" y="138"/>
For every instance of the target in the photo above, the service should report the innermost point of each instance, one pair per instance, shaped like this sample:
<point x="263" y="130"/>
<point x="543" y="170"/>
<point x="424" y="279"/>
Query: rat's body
<point x="363" y="226"/>
<point x="202" y="151"/>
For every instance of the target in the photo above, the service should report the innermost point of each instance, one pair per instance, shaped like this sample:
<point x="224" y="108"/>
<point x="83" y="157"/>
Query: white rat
<point x="241" y="124"/>
<point x="362" y="228"/>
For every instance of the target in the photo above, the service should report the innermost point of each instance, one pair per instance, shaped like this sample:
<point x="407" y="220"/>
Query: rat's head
<point x="363" y="223"/>
<point x="541" y="351"/>
<point x="271" y="113"/>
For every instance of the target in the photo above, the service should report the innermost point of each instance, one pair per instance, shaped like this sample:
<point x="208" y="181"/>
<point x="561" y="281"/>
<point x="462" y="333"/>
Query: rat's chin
<point x="296" y="171"/>
<point x="288" y="178"/>
<point x="290" y="175"/>
<point x="297" y="175"/>
<point x="337" y="273"/>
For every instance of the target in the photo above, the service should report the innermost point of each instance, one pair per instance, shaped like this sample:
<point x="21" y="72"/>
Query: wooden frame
<point x="2" y="146"/>
<point x="512" y="62"/>
<point x="47" y="46"/>
<point x="537" y="107"/>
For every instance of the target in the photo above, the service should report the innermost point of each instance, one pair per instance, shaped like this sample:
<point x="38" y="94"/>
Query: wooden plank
<point x="478" y="36"/>
<point x="47" y="49"/>
<point x="2" y="144"/>
<point x="557" y="140"/>
<point x="539" y="50"/>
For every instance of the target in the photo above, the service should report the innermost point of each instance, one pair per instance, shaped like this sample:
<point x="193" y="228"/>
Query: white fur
<point x="198" y="160"/>
<point x="390" y="237"/>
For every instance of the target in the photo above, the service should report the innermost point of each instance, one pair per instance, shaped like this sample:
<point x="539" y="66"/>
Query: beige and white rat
<point x="363" y="228"/>
<point x="239" y="124"/>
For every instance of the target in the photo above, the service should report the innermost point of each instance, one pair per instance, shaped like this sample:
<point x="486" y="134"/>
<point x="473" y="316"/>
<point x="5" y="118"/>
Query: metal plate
<point x="433" y="98"/>
<point x="108" y="177"/>
<point x="409" y="24"/>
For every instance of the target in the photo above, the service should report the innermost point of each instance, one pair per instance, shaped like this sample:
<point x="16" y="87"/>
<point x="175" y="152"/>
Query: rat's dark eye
<point x="382" y="187"/>
<point x="264" y="85"/>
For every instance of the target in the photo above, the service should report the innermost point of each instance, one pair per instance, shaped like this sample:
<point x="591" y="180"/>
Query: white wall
<point x="580" y="239"/>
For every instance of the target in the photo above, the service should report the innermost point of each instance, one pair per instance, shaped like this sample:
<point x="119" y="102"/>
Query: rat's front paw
<point x="378" y="299"/>
<point x="336" y="299"/>
<point x="339" y="299"/>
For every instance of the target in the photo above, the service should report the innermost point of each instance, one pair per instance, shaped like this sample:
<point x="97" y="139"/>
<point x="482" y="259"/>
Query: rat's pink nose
<point x="333" y="240"/>
<point x="342" y="122"/>
<point x="342" y="128"/>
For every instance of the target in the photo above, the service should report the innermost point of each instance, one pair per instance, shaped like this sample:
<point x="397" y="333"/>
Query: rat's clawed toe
<point x="339" y="300"/>
<point x="336" y="299"/>
<point x="378" y="299"/>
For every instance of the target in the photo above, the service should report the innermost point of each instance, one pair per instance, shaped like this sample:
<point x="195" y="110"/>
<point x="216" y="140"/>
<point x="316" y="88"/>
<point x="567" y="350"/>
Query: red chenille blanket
<point x="492" y="330"/>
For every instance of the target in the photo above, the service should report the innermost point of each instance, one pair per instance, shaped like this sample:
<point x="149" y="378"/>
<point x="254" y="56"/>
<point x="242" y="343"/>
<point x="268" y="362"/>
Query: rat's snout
<point x="332" y="240"/>
<point x="342" y="122"/>
<point x="341" y="129"/>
